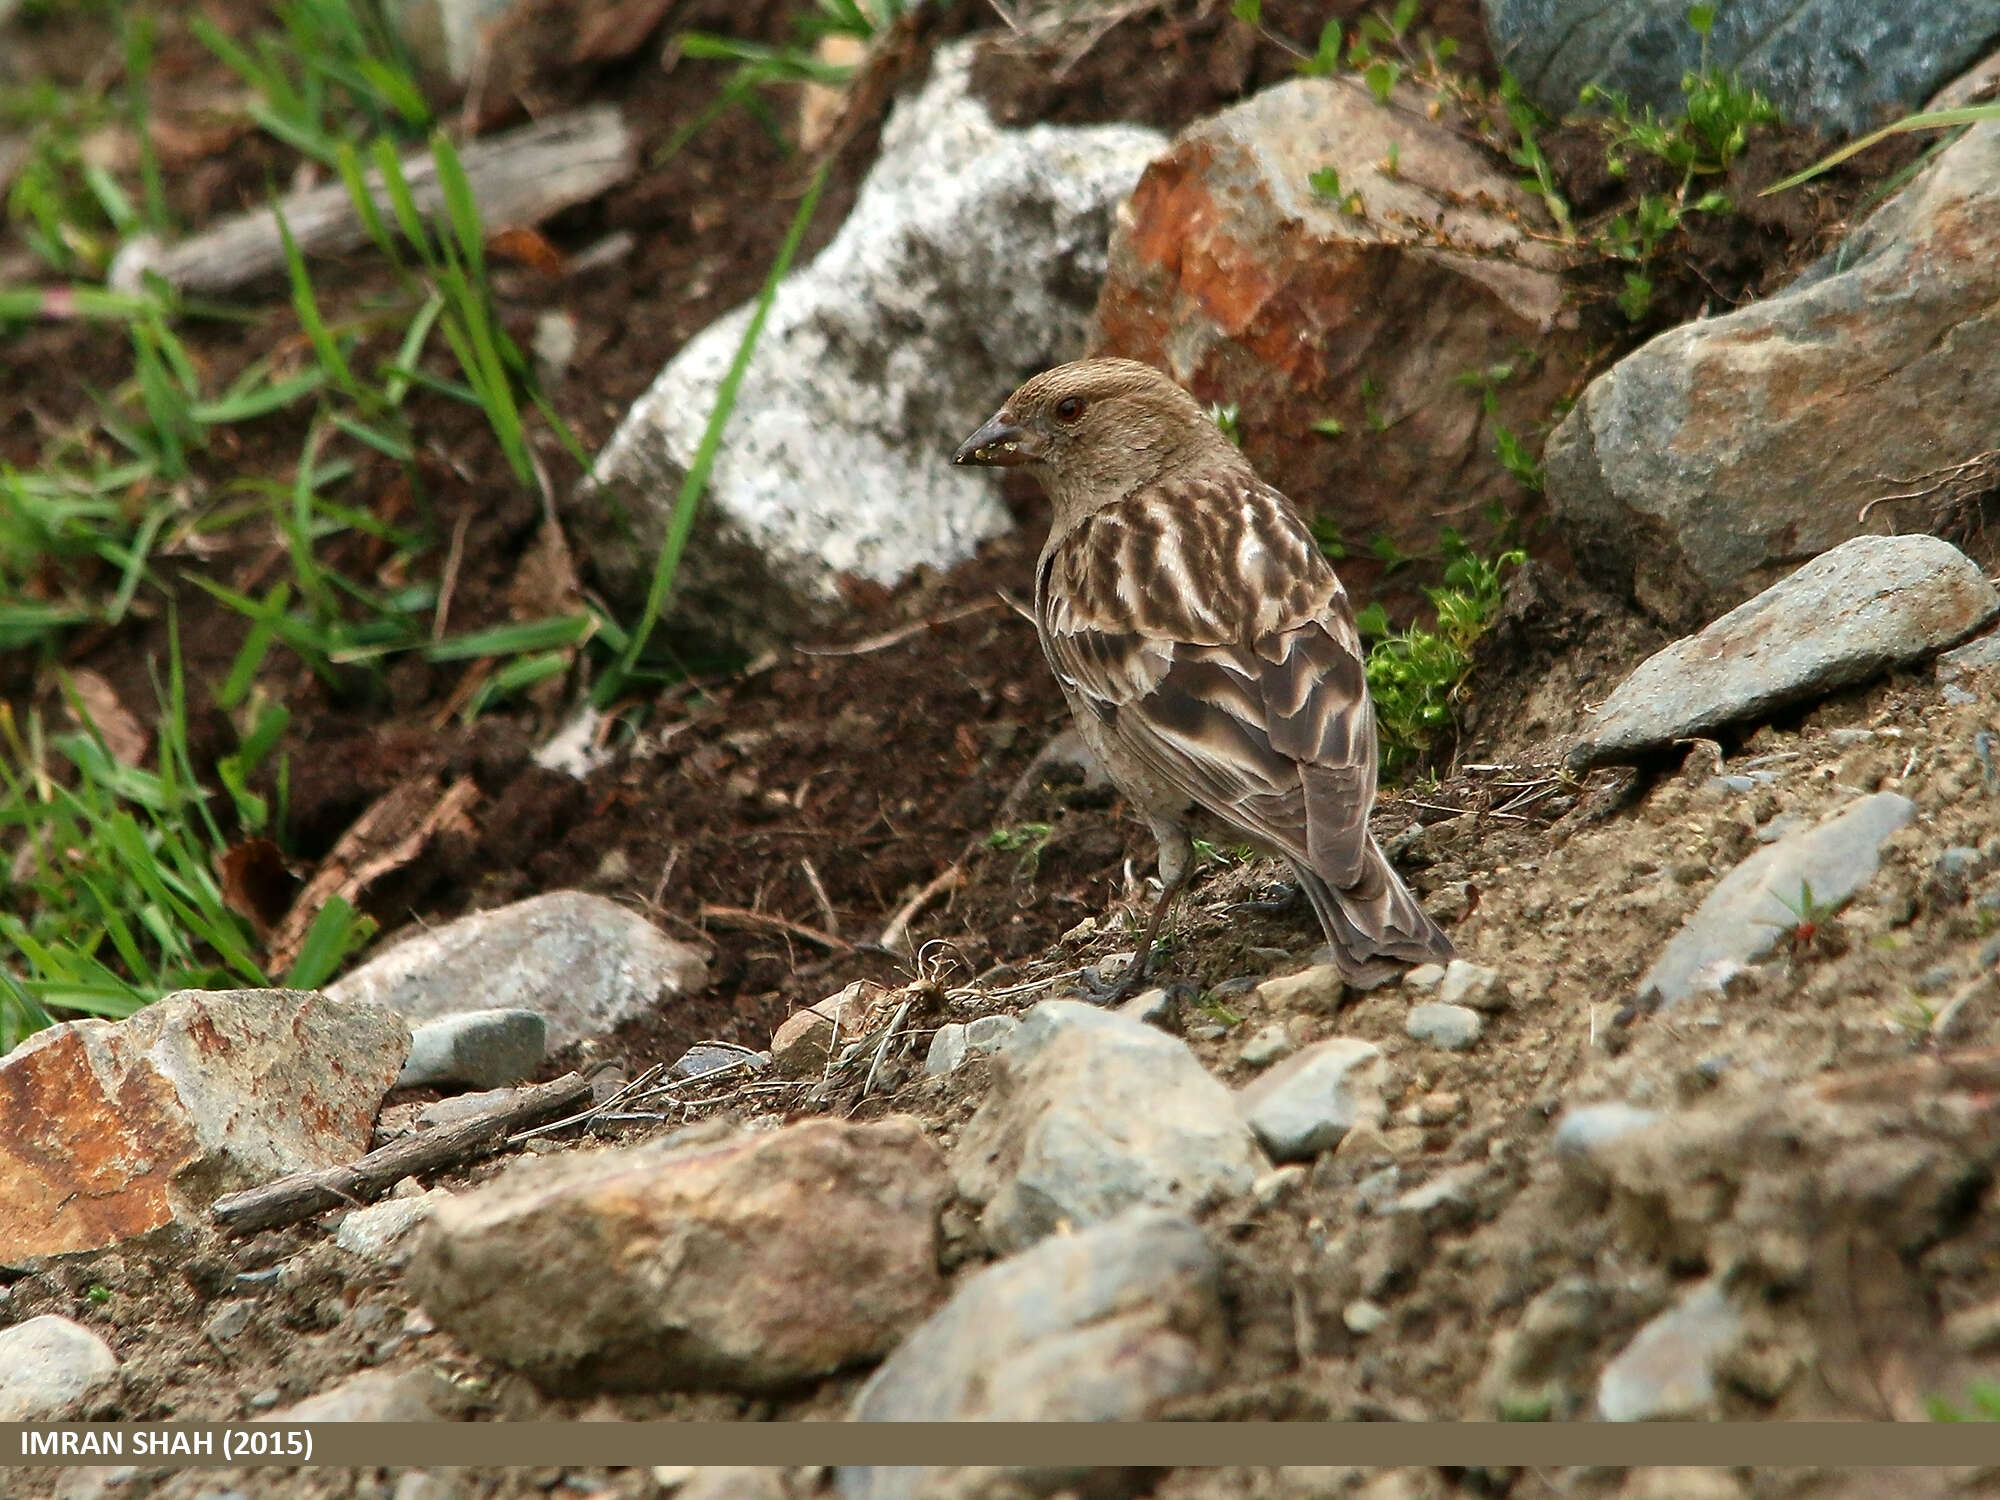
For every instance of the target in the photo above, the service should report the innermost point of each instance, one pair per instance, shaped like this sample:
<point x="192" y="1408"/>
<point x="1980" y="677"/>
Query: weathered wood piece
<point x="304" y="1194"/>
<point x="518" y="178"/>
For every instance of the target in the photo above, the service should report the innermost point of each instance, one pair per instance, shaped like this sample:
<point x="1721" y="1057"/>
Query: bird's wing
<point x="1199" y="622"/>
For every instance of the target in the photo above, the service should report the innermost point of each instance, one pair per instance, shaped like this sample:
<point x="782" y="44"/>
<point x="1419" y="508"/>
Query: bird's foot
<point x="1281" y="898"/>
<point x="1097" y="990"/>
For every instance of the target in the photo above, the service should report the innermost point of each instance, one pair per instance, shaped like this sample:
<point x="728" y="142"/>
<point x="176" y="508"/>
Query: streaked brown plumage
<point x="1205" y="646"/>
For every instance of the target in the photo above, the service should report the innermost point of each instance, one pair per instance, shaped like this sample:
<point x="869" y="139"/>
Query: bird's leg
<point x="1176" y="864"/>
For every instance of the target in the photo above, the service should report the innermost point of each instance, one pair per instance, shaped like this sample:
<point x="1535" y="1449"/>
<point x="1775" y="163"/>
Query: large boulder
<point x="971" y="258"/>
<point x="756" y="1262"/>
<point x="1719" y="455"/>
<point x="1840" y="66"/>
<point x="114" y="1130"/>
<point x="1392" y="299"/>
<point x="583" y="964"/>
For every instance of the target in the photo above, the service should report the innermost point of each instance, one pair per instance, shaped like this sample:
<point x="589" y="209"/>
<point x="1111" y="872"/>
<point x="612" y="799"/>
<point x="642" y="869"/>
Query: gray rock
<point x="51" y="1370"/>
<point x="482" y="1049"/>
<point x="1307" y="1103"/>
<point x="1424" y="978"/>
<point x="972" y="254"/>
<point x="377" y="1396"/>
<point x="1091" y="1113"/>
<point x="734" y="1482"/>
<point x="581" y="962"/>
<point x="956" y="1044"/>
<point x="1452" y="1027"/>
<point x="1703" y="465"/>
<point x="1586" y="1130"/>
<point x="1667" y="1372"/>
<point x="1158" y="1006"/>
<point x="1838" y="66"/>
<point x="708" y="1057"/>
<point x="1981" y="654"/>
<point x="1755" y="904"/>
<point x="381" y="1231"/>
<point x="1318" y="989"/>
<point x="1101" y="1326"/>
<point x="1269" y="1045"/>
<point x="1471" y="984"/>
<point x="1849" y="614"/>
<point x="756" y="1261"/>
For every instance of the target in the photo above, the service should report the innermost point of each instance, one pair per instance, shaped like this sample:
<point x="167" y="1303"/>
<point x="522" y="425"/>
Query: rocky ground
<point x="776" y="1011"/>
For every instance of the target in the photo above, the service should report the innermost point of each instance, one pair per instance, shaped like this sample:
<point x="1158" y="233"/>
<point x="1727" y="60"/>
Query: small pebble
<point x="1452" y="1027"/>
<point x="1275" y="1186"/>
<point x="1363" y="1317"/>
<point x="1424" y="978"/>
<point x="1269" y="1045"/>
<point x="1474" y="985"/>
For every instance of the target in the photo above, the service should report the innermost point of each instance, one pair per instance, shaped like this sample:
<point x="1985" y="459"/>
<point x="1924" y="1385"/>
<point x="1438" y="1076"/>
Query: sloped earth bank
<point x="1827" y="1146"/>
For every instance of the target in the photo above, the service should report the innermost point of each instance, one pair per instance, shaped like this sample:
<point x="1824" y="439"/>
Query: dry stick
<point x="898" y="931"/>
<point x="304" y="1194"/>
<point x="902" y="633"/>
<point x="746" y="920"/>
<point x="518" y="178"/>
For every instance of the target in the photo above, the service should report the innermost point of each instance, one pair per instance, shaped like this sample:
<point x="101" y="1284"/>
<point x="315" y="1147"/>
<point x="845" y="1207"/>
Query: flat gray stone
<point x="51" y="1369"/>
<point x="1747" y="914"/>
<point x="1838" y="66"/>
<point x="1848" y="615"/>
<point x="376" y="1396"/>
<point x="1269" y="1045"/>
<point x="1092" y="1113"/>
<point x="1981" y="654"/>
<point x="1100" y="1326"/>
<point x="955" y="1044"/>
<point x="482" y="1049"/>
<point x="1305" y="1104"/>
<point x="1475" y="985"/>
<point x="972" y="254"/>
<point x="1667" y="1372"/>
<point x="1702" y="466"/>
<point x="1452" y="1027"/>
<point x="584" y="964"/>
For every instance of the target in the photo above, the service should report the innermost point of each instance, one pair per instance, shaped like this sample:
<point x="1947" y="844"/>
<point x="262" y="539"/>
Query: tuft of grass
<point x="762" y="68"/>
<point x="114" y="900"/>
<point x="1416" y="675"/>
<point x="1983" y="1396"/>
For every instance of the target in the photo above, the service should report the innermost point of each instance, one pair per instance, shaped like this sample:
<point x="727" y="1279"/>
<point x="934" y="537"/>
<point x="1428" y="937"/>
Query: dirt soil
<point x="826" y="789"/>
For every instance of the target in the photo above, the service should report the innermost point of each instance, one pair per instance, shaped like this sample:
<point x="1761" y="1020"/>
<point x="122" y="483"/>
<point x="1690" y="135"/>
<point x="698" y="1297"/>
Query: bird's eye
<point x="1069" y="408"/>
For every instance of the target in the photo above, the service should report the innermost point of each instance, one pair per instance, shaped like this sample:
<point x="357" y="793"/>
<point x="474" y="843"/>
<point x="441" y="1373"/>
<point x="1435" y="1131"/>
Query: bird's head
<point x="1097" y="427"/>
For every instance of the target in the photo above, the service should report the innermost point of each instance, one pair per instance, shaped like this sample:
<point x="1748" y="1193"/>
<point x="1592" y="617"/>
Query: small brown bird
<point x="1206" y="648"/>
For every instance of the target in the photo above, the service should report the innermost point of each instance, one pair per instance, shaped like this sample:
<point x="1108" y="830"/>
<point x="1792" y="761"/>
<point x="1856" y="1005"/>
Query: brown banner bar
<point x="1811" y="1444"/>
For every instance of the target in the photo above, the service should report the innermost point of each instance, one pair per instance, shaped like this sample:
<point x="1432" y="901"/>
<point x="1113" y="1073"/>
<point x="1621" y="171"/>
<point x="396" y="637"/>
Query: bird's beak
<point x="1000" y="444"/>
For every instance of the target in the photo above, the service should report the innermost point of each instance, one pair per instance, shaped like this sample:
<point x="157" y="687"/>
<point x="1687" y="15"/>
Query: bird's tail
<point x="1375" y="926"/>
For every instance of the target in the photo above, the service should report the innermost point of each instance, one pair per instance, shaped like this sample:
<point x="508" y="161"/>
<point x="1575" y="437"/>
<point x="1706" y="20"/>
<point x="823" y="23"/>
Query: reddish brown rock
<point x="113" y="1130"/>
<point x="1232" y="272"/>
<point x="756" y="1262"/>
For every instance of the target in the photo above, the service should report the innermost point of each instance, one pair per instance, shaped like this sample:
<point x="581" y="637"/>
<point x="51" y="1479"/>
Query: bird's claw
<point x="1281" y="899"/>
<point x="1099" y="991"/>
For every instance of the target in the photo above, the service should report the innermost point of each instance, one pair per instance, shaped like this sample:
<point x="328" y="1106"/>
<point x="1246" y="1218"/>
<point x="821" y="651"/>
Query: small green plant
<point x="1326" y="182"/>
<point x="1718" y="118"/>
<point x="1224" y="417"/>
<point x="1025" y="839"/>
<point x="1983" y="1396"/>
<point x="1415" y="675"/>
<point x="1804" y="926"/>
